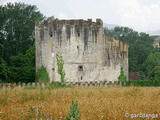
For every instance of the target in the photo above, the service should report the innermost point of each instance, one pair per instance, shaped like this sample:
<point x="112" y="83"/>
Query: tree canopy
<point x="17" y="28"/>
<point x="17" y="51"/>
<point x="152" y="65"/>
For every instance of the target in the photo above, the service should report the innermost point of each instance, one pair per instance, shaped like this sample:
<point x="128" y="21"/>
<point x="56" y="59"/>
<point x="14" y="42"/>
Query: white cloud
<point x="142" y="15"/>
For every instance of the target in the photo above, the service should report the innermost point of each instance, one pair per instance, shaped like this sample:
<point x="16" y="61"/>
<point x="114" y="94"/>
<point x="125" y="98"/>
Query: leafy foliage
<point x="42" y="75"/>
<point x="74" y="113"/>
<point x="122" y="77"/>
<point x="152" y="65"/>
<point x="155" y="73"/>
<point x="3" y="70"/>
<point x="60" y="64"/>
<point x="17" y="54"/>
<point x="22" y="67"/>
<point x="17" y="28"/>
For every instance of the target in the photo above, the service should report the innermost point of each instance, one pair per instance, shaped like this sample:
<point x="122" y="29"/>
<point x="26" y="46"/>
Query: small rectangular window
<point x="80" y="68"/>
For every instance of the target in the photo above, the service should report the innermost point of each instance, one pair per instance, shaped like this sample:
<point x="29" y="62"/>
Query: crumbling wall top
<point x="123" y="46"/>
<point x="98" y="22"/>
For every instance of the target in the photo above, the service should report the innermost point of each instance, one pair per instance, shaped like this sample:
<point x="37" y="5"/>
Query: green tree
<point x="22" y="67"/>
<point x="17" y="23"/>
<point x="155" y="73"/>
<point x="152" y="66"/>
<point x="122" y="78"/>
<point x="3" y="71"/>
<point x="60" y="64"/>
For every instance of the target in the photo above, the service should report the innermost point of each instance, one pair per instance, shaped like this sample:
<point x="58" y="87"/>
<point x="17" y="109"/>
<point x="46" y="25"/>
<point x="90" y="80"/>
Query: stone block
<point x="86" y="84"/>
<point x="33" y="84"/>
<point x="38" y="85"/>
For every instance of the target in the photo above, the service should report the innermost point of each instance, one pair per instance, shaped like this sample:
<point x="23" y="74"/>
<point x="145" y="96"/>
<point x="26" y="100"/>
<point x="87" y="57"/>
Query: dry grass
<point x="94" y="103"/>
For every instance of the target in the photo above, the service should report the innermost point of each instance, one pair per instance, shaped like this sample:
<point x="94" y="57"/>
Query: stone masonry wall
<point x="88" y="55"/>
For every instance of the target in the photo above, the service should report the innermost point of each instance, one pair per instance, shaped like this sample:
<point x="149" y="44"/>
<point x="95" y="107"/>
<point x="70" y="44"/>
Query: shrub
<point x="74" y="113"/>
<point x="122" y="78"/>
<point x="42" y="75"/>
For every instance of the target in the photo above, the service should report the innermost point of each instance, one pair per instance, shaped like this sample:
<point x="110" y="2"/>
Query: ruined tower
<point x="88" y="55"/>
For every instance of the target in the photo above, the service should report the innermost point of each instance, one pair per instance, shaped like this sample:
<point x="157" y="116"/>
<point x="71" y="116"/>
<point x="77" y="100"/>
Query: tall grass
<point x="94" y="103"/>
<point x="5" y="97"/>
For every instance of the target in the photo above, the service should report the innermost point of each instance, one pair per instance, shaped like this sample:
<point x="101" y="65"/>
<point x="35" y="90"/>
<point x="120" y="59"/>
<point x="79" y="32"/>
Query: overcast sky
<point x="141" y="15"/>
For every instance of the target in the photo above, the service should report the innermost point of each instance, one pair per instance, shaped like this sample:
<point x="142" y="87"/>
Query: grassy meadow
<point x="94" y="103"/>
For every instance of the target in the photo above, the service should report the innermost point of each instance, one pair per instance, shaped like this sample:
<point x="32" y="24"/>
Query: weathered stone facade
<point x="88" y="55"/>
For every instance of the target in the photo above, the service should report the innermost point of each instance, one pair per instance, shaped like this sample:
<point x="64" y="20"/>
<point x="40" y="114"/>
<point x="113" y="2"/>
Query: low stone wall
<point x="76" y="84"/>
<point x="95" y="84"/>
<point x="23" y="85"/>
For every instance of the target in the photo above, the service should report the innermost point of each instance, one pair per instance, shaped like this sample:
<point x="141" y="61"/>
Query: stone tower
<point x="88" y="55"/>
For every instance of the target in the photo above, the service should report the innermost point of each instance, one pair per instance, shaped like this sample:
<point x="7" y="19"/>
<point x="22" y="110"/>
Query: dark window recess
<point x="51" y="34"/>
<point x="81" y="77"/>
<point x="78" y="34"/>
<point x="80" y="68"/>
